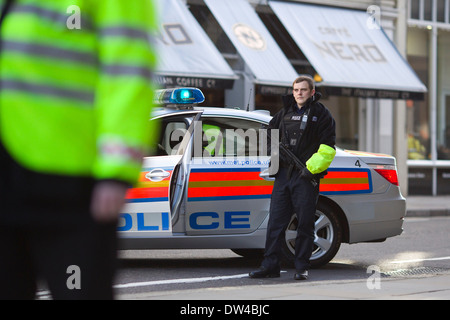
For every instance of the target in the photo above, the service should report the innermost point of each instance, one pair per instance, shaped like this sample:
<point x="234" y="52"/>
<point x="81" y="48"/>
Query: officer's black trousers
<point x="48" y="233"/>
<point x="289" y="195"/>
<point x="74" y="262"/>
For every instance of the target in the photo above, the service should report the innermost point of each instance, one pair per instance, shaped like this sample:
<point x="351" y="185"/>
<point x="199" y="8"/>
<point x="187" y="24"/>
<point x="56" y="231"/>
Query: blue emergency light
<point x="179" y="96"/>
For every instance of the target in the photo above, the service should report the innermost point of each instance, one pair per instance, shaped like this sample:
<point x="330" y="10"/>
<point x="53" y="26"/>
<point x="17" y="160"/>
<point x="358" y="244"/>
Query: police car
<point x="208" y="187"/>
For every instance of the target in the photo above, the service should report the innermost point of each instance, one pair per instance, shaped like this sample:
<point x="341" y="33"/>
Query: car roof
<point x="257" y="115"/>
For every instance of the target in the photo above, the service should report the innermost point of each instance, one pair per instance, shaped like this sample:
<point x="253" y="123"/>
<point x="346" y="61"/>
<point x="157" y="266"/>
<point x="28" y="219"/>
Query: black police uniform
<point x="293" y="190"/>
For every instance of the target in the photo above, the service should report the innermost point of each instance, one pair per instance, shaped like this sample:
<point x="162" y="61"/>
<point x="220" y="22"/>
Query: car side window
<point x="172" y="132"/>
<point x="230" y="137"/>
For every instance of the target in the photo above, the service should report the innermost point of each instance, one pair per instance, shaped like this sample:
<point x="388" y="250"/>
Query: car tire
<point x="327" y="237"/>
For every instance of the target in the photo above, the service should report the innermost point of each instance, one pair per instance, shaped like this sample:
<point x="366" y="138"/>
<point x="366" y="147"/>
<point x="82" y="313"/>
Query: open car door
<point x="152" y="206"/>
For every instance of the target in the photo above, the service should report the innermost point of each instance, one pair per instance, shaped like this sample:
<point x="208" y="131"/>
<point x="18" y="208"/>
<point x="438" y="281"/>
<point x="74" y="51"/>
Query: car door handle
<point x="266" y="175"/>
<point x="157" y="175"/>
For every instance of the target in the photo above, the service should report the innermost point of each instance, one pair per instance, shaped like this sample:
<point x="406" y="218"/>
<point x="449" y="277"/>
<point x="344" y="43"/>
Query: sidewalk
<point x="427" y="206"/>
<point x="435" y="287"/>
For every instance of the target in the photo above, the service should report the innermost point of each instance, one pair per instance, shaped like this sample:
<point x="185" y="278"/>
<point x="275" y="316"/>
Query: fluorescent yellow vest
<point x="75" y="86"/>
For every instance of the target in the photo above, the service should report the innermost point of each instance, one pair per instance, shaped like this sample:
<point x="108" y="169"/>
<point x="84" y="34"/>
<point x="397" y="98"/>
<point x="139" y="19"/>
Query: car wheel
<point x="327" y="237"/>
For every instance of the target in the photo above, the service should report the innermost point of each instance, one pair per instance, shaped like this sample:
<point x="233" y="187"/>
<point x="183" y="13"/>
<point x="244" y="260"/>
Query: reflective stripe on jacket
<point x="75" y="86"/>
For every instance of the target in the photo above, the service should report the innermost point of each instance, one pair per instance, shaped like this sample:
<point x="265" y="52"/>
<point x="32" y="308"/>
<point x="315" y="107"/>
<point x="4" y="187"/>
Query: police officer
<point x="308" y="130"/>
<point x="75" y="99"/>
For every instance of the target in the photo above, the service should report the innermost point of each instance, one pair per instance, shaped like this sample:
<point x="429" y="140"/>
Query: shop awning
<point x="349" y="51"/>
<point x="253" y="42"/>
<point x="187" y="57"/>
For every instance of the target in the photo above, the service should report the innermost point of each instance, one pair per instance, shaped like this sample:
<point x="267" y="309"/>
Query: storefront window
<point x="345" y="113"/>
<point x="415" y="9"/>
<point x="420" y="181"/>
<point x="441" y="11"/>
<point x="424" y="9"/>
<point x="418" y="112"/>
<point x="443" y="181"/>
<point x="428" y="10"/>
<point x="443" y="101"/>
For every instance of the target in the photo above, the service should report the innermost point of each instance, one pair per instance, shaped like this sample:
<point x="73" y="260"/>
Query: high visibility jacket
<point x="75" y="86"/>
<point x="215" y="141"/>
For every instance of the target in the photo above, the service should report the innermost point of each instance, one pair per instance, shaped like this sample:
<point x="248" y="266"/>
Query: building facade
<point x="428" y="121"/>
